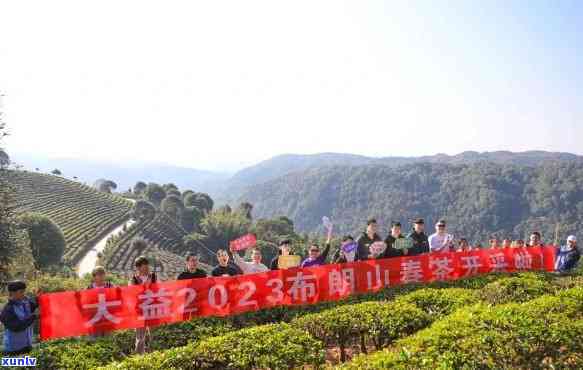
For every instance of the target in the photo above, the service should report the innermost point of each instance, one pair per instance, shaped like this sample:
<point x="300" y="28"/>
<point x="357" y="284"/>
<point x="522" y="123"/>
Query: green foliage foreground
<point x="461" y="324"/>
<point x="542" y="333"/>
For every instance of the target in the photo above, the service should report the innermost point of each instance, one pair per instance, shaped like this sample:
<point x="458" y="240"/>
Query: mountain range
<point x="349" y="188"/>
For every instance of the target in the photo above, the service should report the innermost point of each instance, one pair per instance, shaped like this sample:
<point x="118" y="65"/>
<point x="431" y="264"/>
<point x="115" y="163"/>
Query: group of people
<point x="18" y="315"/>
<point x="370" y="245"/>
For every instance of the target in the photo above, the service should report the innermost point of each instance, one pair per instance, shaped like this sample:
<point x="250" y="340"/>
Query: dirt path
<point x="90" y="259"/>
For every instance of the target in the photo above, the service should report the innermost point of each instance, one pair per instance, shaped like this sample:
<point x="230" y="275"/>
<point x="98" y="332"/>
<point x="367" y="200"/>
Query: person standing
<point x="463" y="245"/>
<point x="315" y="258"/>
<point x="347" y="251"/>
<point x="365" y="240"/>
<point x="252" y="267"/>
<point x="567" y="255"/>
<point x="420" y="240"/>
<point x="142" y="276"/>
<point x="391" y="240"/>
<point x="494" y="244"/>
<point x="224" y="268"/>
<point x="535" y="239"/>
<point x="18" y="318"/>
<point x="98" y="279"/>
<point x="192" y="271"/>
<point x="284" y="250"/>
<point x="440" y="241"/>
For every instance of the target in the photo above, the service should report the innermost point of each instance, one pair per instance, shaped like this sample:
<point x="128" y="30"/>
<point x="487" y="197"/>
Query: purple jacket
<point x="320" y="260"/>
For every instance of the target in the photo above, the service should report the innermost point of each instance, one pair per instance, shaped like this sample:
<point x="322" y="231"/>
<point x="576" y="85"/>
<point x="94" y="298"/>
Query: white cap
<point x="572" y="238"/>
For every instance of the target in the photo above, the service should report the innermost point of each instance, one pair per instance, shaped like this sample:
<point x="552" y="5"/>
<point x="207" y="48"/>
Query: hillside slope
<point x="478" y="200"/>
<point x="166" y="248"/>
<point x="83" y="214"/>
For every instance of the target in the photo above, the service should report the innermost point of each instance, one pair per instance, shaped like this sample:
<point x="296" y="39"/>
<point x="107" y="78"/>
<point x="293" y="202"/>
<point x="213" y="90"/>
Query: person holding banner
<point x="535" y="239"/>
<point x="224" y="268"/>
<point x="143" y="276"/>
<point x="192" y="271"/>
<point x="440" y="241"/>
<point x="397" y="244"/>
<point x="567" y="255"/>
<point x="98" y="279"/>
<point x="366" y="239"/>
<point x="463" y="245"/>
<point x="420" y="240"/>
<point x="494" y="244"/>
<point x="252" y="267"/>
<point x="18" y="318"/>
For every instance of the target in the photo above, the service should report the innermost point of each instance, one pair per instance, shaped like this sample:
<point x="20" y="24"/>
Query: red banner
<point x="85" y="312"/>
<point x="244" y="242"/>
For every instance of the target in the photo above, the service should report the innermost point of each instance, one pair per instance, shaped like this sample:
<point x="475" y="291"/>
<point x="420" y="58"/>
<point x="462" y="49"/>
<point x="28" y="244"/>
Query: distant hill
<point x="288" y="163"/>
<point x="478" y="199"/>
<point x="125" y="175"/>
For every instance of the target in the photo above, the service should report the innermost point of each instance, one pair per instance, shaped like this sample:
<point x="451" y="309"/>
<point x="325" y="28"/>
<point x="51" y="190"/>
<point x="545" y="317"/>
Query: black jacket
<point x="364" y="243"/>
<point x="420" y="244"/>
<point x="226" y="270"/>
<point x="338" y="256"/>
<point x="187" y="275"/>
<point x="390" y="251"/>
<point x="11" y="321"/>
<point x="273" y="263"/>
<point x="137" y="281"/>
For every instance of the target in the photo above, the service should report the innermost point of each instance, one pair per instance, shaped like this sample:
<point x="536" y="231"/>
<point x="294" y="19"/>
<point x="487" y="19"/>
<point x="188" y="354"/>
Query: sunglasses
<point x="440" y="225"/>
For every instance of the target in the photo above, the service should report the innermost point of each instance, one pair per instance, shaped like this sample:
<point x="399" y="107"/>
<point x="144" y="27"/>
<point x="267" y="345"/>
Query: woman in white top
<point x="250" y="267"/>
<point x="440" y="241"/>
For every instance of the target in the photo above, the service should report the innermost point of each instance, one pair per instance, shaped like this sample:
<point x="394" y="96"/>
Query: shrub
<point x="82" y="354"/>
<point x="440" y="302"/>
<point x="87" y="354"/>
<point x="514" y="289"/>
<point x="542" y="333"/>
<point x="277" y="346"/>
<point x="386" y="322"/>
<point x="381" y="322"/>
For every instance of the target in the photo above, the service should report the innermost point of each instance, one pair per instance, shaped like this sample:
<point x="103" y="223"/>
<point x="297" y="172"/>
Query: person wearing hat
<point x="18" y="318"/>
<point x="441" y="241"/>
<point x="567" y="255"/>
<point x="366" y="239"/>
<point x="420" y="240"/>
<point x="390" y="240"/>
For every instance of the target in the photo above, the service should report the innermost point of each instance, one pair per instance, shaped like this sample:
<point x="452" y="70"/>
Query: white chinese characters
<point x="102" y="311"/>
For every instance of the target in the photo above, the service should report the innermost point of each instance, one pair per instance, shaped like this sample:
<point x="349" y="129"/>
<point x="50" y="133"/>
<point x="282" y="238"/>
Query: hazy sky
<point x="210" y="84"/>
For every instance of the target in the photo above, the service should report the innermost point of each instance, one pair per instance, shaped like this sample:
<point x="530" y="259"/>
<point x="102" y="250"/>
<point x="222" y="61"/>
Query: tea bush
<point x="381" y="322"/>
<point x="274" y="346"/>
<point x="514" y="289"/>
<point x="541" y="333"/>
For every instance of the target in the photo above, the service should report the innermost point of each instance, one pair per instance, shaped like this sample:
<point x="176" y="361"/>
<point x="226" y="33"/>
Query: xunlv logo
<point x="19" y="361"/>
